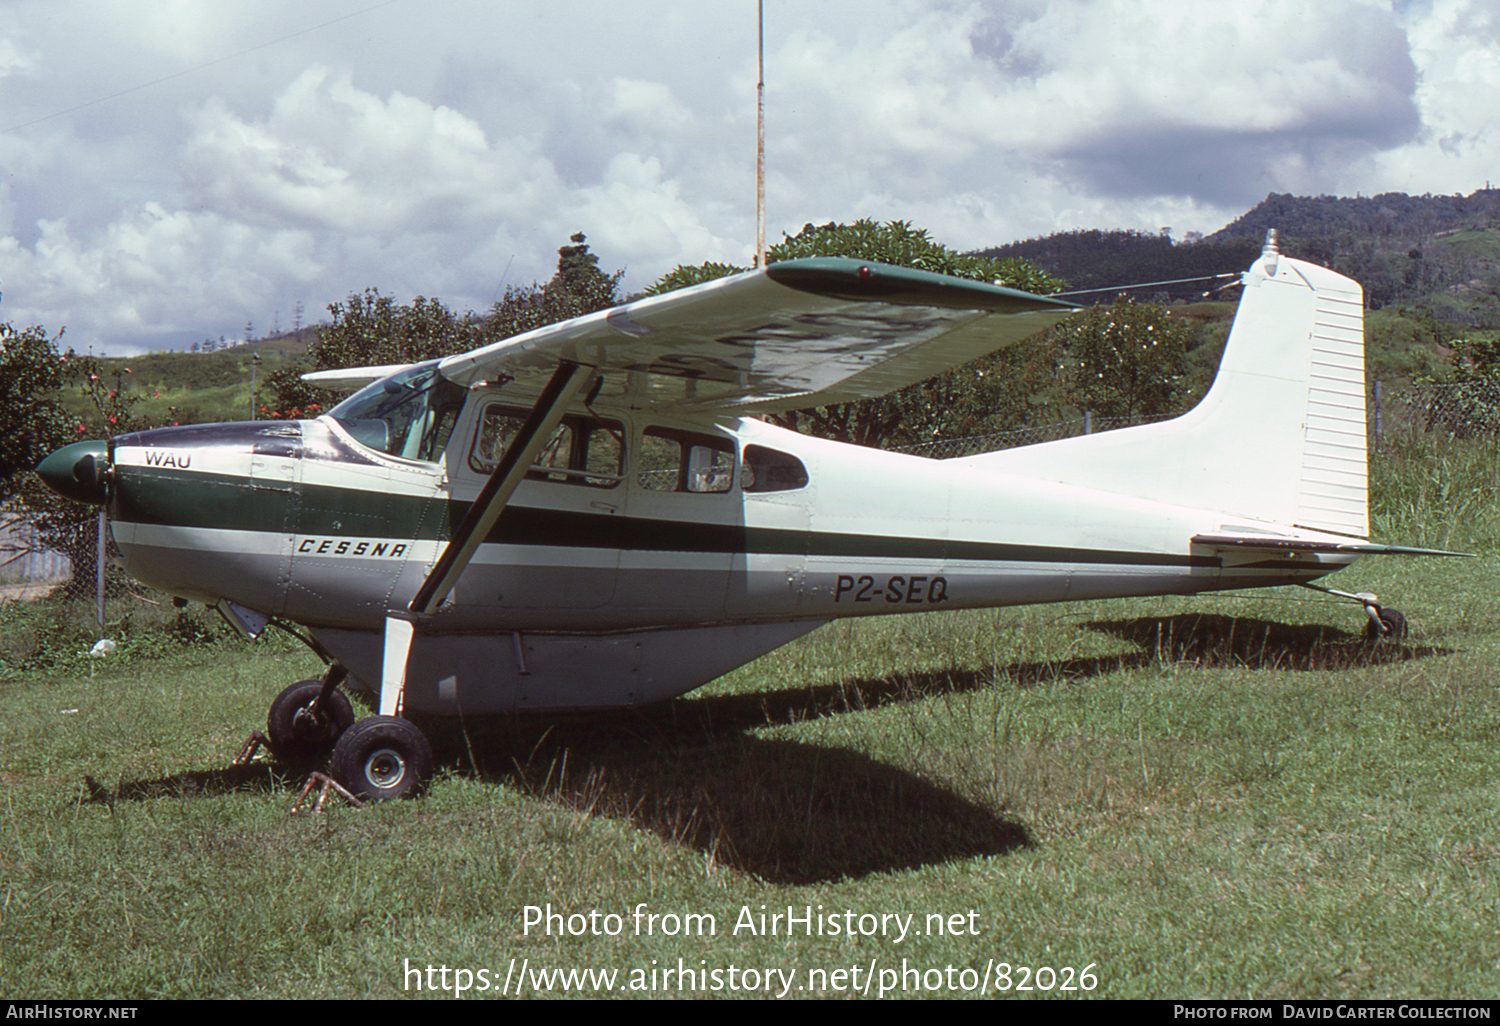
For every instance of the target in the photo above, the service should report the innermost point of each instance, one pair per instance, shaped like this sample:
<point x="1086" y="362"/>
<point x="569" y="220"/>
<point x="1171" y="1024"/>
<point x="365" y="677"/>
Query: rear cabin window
<point x="683" y="461"/>
<point x="767" y="470"/>
<point x="583" y="450"/>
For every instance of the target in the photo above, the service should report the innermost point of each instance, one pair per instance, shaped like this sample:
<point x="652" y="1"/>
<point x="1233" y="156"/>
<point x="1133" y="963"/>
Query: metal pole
<point x="99" y="569"/>
<point x="760" y="142"/>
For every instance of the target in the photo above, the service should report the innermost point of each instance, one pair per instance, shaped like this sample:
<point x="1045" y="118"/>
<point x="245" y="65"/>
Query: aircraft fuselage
<point x="751" y="532"/>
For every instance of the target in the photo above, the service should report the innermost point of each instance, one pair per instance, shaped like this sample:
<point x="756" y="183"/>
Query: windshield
<point x="409" y="414"/>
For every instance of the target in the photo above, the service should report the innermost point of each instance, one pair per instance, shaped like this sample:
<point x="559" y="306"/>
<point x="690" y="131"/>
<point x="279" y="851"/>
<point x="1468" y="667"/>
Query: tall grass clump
<point x="1438" y="491"/>
<point x="57" y="634"/>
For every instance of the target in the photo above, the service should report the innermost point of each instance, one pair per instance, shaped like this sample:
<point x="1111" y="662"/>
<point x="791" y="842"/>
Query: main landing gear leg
<point x="1383" y="623"/>
<point x="385" y="756"/>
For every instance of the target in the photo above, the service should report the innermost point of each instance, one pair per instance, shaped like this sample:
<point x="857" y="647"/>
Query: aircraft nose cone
<point x="77" y="471"/>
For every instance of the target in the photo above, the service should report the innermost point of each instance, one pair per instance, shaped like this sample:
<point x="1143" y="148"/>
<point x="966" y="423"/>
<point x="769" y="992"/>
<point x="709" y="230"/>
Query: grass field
<point x="1225" y="797"/>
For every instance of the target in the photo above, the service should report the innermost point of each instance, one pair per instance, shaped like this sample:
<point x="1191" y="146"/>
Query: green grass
<point x="1225" y="797"/>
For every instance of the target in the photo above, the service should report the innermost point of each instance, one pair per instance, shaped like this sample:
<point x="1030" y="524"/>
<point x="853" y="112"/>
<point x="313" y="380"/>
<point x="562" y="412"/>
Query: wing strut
<point x="400" y="627"/>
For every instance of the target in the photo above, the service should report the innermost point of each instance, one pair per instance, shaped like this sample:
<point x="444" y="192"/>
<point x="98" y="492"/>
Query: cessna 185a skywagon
<point x="592" y="514"/>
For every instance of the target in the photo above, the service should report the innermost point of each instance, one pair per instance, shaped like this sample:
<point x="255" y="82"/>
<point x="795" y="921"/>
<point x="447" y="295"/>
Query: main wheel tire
<point x="1392" y="626"/>
<point x="383" y="757"/>
<point x="295" y="733"/>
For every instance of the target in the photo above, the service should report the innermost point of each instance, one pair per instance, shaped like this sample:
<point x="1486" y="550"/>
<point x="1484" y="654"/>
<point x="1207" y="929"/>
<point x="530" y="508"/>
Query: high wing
<point x="797" y="333"/>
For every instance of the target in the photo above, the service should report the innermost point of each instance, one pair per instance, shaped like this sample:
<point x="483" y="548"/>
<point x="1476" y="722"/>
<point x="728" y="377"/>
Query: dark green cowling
<point x="79" y="471"/>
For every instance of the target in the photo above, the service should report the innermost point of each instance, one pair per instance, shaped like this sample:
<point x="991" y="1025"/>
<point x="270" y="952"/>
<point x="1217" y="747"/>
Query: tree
<point x="901" y="245"/>
<point x="577" y="288"/>
<point x="989" y="395"/>
<point x="1125" y="360"/>
<point x="33" y="420"/>
<point x="897" y="243"/>
<point x="370" y="329"/>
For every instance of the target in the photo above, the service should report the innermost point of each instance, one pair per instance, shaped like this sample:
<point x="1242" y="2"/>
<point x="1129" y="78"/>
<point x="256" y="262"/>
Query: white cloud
<point x="14" y="60"/>
<point x="1457" y="45"/>
<point x="189" y="167"/>
<point x="334" y="156"/>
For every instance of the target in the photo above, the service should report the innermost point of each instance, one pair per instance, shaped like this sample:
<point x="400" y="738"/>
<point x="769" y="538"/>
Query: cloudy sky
<point x="173" y="169"/>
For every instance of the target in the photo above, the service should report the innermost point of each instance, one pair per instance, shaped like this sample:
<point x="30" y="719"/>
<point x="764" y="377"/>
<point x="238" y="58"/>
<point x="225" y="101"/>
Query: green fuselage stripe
<point x="226" y="502"/>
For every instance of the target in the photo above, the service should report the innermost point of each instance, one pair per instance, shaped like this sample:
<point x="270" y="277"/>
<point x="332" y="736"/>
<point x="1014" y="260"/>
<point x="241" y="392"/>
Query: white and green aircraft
<point x="594" y="515"/>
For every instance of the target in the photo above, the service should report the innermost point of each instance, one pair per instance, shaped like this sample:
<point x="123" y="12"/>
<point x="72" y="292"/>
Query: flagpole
<point x="760" y="142"/>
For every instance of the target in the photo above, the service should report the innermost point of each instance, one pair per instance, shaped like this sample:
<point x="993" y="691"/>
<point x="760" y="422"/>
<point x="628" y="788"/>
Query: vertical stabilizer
<point x="1279" y="437"/>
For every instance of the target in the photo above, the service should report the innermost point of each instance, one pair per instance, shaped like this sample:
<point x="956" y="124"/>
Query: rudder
<point x="1280" y="436"/>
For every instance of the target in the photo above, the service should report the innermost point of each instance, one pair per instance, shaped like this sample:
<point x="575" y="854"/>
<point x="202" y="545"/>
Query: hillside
<point x="1430" y="267"/>
<point x="1106" y="262"/>
<point x="196" y="388"/>
<point x="1442" y="252"/>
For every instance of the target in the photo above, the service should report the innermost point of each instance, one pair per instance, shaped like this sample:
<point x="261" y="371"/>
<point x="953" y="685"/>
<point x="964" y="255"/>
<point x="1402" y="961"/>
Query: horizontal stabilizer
<point x="353" y="377"/>
<point x="1312" y="545"/>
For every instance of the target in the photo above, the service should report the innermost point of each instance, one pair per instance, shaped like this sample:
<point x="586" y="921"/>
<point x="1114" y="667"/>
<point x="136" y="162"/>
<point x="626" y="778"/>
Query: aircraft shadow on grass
<point x="1213" y="639"/>
<point x="694" y="772"/>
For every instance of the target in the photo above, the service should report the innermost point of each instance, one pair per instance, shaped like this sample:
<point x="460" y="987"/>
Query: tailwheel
<point x="1385" y="623"/>
<point x="1382" y="623"/>
<point x="383" y="757"/>
<point x="301" y="727"/>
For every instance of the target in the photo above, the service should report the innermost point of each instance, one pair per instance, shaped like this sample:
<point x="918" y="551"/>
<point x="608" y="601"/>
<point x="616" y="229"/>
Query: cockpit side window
<point x="583" y="450"/>
<point x="670" y="460"/>
<point x="410" y="414"/>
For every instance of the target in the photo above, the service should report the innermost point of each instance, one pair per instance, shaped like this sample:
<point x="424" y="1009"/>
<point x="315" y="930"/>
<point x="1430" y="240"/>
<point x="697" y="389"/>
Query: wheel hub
<point x="385" y="768"/>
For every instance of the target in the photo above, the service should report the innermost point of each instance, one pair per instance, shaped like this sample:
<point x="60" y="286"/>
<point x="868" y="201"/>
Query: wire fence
<point x="1464" y="409"/>
<point x="1468" y="409"/>
<point x="27" y="564"/>
<point x="974" y="445"/>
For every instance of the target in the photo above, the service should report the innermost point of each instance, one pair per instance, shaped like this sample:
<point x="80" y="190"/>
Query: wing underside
<point x="799" y="333"/>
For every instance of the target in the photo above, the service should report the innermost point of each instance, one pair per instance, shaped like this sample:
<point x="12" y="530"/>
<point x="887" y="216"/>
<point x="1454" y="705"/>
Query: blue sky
<point x="172" y="170"/>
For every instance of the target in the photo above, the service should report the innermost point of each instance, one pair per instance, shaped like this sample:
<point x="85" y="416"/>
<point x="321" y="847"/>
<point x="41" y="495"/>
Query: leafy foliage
<point x="987" y="395"/>
<point x="33" y="420"/>
<point x="1439" y="252"/>
<point x="372" y="330"/>
<point x="897" y="243"/>
<point x="1125" y="360"/>
<point x="900" y="244"/>
<point x="684" y="276"/>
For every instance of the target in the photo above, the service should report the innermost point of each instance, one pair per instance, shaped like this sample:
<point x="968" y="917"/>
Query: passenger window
<point x="682" y="461"/>
<point x="582" y="450"/>
<point x="766" y="470"/>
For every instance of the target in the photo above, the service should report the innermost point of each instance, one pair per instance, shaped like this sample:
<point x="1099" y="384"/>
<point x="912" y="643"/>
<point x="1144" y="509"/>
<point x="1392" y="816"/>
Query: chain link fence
<point x="28" y="567"/>
<point x="1468" y="409"/>
<point x="34" y="563"/>
<point x="952" y="448"/>
<point x="1464" y="409"/>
